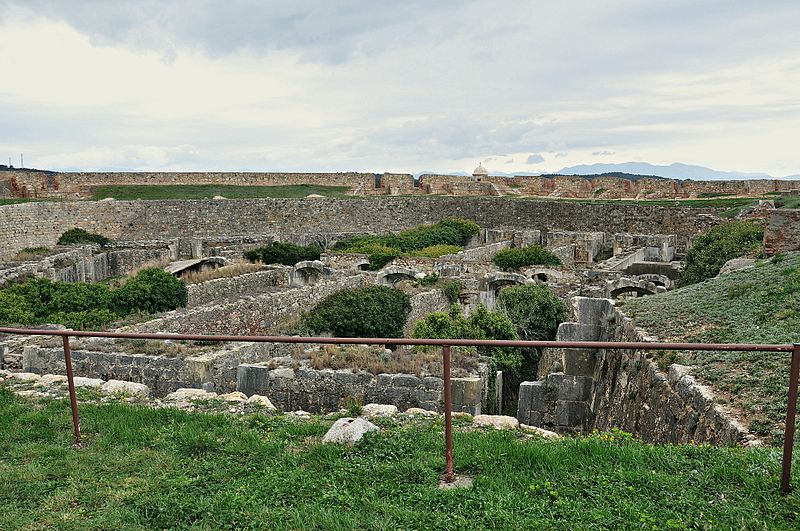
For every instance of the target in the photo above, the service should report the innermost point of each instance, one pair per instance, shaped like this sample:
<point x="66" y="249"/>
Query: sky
<point x="382" y="85"/>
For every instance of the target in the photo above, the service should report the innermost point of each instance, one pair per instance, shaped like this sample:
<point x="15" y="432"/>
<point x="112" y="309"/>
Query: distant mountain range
<point x="643" y="169"/>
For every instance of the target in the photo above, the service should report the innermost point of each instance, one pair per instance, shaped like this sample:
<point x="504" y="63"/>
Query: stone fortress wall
<point x="39" y="224"/>
<point x="26" y="183"/>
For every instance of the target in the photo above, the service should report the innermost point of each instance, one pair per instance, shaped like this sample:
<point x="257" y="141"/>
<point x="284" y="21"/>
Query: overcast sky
<point x="399" y="85"/>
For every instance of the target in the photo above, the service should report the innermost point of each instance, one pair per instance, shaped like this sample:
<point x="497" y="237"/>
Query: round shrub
<point x="374" y="311"/>
<point x="76" y="235"/>
<point x="283" y="253"/>
<point x="513" y="259"/>
<point x="720" y="244"/>
<point x="152" y="290"/>
<point x="14" y="309"/>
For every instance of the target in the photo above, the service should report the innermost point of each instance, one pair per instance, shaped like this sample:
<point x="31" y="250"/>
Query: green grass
<point x="14" y="201"/>
<point x="755" y="305"/>
<point x="165" y="469"/>
<point x="208" y="191"/>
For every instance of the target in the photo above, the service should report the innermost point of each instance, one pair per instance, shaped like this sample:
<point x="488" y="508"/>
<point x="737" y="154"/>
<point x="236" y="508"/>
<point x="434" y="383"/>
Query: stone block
<point x="467" y="394"/>
<point x="572" y="414"/>
<point x="580" y="362"/>
<point x="579" y="332"/>
<point x="284" y="372"/>
<point x="252" y="379"/>
<point x="571" y="387"/>
<point x="406" y="380"/>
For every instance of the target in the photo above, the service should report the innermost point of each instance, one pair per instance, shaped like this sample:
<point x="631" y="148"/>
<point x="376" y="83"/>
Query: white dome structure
<point x="480" y="171"/>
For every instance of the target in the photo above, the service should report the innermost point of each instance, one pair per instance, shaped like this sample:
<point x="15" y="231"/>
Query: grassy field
<point x="144" y="468"/>
<point x="754" y="305"/>
<point x="14" y="201"/>
<point x="207" y="191"/>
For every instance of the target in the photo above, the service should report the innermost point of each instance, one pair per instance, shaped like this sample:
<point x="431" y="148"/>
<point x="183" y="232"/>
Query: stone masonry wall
<point x="422" y="304"/>
<point x="40" y="224"/>
<point x="262" y="314"/>
<point x="589" y="389"/>
<point x="246" y="285"/>
<point x="329" y="390"/>
<point x="782" y="232"/>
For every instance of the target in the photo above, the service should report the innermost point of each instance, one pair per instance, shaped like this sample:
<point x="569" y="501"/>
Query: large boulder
<point x="348" y="431"/>
<point x="372" y="411"/>
<point x="119" y="387"/>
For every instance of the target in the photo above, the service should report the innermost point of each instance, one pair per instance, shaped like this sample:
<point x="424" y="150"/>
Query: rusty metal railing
<point x="791" y="409"/>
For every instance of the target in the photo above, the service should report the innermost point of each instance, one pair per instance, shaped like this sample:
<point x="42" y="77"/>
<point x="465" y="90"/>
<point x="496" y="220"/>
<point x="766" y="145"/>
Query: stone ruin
<point x="576" y="390"/>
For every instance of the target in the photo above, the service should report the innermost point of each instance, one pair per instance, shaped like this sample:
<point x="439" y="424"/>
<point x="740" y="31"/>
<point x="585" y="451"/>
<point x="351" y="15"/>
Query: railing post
<point x="791" y="413"/>
<point x="73" y="400"/>
<point x="448" y="415"/>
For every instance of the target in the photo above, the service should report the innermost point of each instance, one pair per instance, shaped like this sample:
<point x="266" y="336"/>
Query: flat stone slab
<point x="50" y="379"/>
<point x="421" y="412"/>
<point x="349" y="431"/>
<point x="378" y="410"/>
<point x="94" y="383"/>
<point x="127" y="388"/>
<point x="25" y="376"/>
<point x="189" y="393"/>
<point x="500" y="422"/>
<point x="547" y="434"/>
<point x="459" y="482"/>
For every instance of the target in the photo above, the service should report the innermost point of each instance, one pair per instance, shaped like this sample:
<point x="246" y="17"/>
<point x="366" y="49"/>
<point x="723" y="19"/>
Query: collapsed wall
<point x="782" y="231"/>
<point x="586" y="389"/>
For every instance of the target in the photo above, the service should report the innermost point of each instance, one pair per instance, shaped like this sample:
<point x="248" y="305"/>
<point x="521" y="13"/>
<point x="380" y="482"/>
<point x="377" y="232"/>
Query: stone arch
<point x="196" y="265"/>
<point x="391" y="275"/>
<point x="493" y="283"/>
<point x="624" y="285"/>
<point x="308" y="272"/>
<point x="658" y="280"/>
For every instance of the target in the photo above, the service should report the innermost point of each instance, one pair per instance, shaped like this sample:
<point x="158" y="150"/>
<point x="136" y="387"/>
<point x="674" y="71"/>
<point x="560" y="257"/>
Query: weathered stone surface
<point x="421" y="412"/>
<point x="234" y="396"/>
<point x="466" y="394"/>
<point x="782" y="231"/>
<point x="25" y="376"/>
<point x="735" y="264"/>
<point x="126" y="388"/>
<point x="547" y="434"/>
<point x="348" y="431"/>
<point x="80" y="381"/>
<point x="188" y="394"/>
<point x="50" y="379"/>
<point x="262" y="401"/>
<point x="500" y="422"/>
<point x="378" y="410"/>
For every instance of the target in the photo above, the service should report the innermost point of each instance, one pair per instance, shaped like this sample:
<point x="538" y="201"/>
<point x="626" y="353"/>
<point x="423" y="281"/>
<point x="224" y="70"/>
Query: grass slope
<point x="207" y="191"/>
<point x="755" y="305"/>
<point x="160" y="468"/>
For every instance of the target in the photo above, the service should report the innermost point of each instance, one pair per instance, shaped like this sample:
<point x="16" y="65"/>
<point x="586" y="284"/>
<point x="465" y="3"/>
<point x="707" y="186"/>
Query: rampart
<point x="26" y="183"/>
<point x="39" y="224"/>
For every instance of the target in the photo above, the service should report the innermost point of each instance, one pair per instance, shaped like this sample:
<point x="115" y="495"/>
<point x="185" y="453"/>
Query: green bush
<point x="283" y="253"/>
<point x="14" y="309"/>
<point x="435" y="251"/>
<point x="452" y="290"/>
<point x="82" y="306"/>
<point x="720" y="244"/>
<point x="534" y="309"/>
<point x="375" y="311"/>
<point x="152" y="290"/>
<point x="76" y="235"/>
<point x="445" y="237"/>
<point x="513" y="259"/>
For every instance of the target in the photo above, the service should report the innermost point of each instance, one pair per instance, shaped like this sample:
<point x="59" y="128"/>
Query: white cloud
<point x="400" y="86"/>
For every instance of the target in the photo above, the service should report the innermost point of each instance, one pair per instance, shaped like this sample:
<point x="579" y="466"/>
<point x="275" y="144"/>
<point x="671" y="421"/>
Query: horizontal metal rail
<point x="791" y="410"/>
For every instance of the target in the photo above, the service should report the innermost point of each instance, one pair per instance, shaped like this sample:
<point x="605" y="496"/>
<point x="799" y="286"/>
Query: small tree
<point x="720" y="244"/>
<point x="375" y="311"/>
<point x="152" y="290"/>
